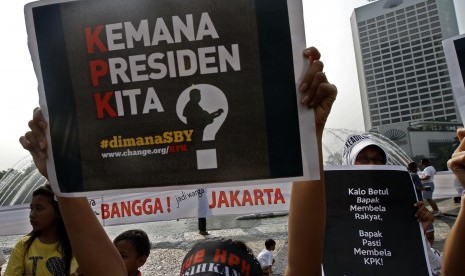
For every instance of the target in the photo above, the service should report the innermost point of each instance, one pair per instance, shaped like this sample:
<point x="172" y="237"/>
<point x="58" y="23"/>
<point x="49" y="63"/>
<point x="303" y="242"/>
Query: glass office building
<point x="401" y="66"/>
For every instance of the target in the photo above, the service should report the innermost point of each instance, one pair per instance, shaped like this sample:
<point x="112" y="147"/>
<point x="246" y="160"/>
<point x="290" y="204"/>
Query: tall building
<point x="401" y="66"/>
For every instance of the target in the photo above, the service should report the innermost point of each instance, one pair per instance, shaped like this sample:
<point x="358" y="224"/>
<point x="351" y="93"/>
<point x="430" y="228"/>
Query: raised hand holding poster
<point x="159" y="94"/>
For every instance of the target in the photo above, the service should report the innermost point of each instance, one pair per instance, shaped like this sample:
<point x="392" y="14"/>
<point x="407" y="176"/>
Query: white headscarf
<point x="354" y="144"/>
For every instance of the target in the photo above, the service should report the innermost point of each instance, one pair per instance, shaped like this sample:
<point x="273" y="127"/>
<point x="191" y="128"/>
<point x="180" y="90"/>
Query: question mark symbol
<point x="212" y="100"/>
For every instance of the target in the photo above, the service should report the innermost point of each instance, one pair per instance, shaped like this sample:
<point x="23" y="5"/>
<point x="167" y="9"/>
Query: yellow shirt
<point x="41" y="259"/>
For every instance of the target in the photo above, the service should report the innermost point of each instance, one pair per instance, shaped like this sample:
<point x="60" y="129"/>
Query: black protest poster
<point x="454" y="51"/>
<point x="161" y="93"/>
<point x="460" y="51"/>
<point x="370" y="223"/>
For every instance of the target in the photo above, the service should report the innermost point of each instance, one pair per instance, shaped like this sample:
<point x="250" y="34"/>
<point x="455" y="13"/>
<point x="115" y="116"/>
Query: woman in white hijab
<point x="362" y="149"/>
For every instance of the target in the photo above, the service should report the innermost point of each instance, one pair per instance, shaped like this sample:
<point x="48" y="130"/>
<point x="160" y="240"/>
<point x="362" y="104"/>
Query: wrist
<point x="463" y="199"/>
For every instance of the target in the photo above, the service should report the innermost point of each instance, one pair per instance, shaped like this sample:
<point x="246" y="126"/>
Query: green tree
<point x="335" y="158"/>
<point x="443" y="153"/>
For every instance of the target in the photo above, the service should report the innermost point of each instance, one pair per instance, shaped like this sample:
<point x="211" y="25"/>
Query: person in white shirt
<point x="427" y="179"/>
<point x="265" y="258"/>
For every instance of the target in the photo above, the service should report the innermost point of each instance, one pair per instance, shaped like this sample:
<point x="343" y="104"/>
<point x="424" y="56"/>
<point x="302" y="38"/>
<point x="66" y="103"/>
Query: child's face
<point x="42" y="215"/>
<point x="129" y="254"/>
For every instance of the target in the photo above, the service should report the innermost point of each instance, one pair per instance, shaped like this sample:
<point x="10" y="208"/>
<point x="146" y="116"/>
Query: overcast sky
<point x="327" y="27"/>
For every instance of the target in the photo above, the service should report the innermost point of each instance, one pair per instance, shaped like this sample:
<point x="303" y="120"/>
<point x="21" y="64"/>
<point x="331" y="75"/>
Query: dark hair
<point x="269" y="243"/>
<point x="217" y="250"/>
<point x="243" y="246"/>
<point x="425" y="160"/>
<point x="411" y="166"/>
<point x="139" y="240"/>
<point x="66" y="251"/>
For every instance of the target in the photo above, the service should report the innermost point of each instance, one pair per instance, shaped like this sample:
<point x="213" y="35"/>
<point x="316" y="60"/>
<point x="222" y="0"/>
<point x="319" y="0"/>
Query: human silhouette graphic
<point x="196" y="117"/>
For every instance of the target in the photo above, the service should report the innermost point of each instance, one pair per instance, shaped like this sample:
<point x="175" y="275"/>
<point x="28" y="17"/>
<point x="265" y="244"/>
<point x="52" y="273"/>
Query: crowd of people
<point x="67" y="236"/>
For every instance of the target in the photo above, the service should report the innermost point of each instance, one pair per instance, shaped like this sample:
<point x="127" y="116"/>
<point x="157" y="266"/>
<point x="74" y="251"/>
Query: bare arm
<point x="423" y="215"/>
<point x="425" y="177"/>
<point x="307" y="212"/>
<point x="94" y="251"/>
<point x="454" y="248"/>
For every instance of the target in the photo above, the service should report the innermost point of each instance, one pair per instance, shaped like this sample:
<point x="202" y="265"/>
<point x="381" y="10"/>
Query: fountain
<point x="17" y="185"/>
<point x="334" y="139"/>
